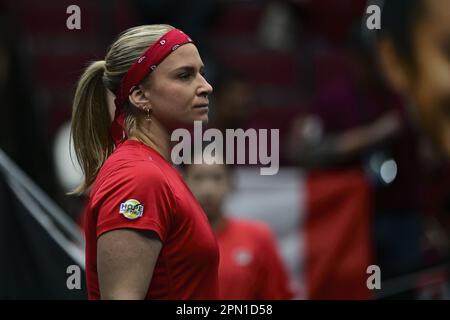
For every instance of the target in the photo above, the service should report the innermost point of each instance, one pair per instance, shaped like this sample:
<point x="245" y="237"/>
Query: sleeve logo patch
<point x="131" y="209"/>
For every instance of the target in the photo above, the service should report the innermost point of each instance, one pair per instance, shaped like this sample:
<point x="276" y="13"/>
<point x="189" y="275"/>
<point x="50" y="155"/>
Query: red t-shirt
<point x="250" y="267"/>
<point x="137" y="188"/>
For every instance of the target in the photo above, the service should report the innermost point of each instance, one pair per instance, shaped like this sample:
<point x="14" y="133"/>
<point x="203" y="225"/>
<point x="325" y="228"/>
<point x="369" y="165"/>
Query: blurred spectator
<point x="232" y="101"/>
<point x="414" y="53"/>
<point x="250" y="265"/>
<point x="413" y="49"/>
<point x="355" y="122"/>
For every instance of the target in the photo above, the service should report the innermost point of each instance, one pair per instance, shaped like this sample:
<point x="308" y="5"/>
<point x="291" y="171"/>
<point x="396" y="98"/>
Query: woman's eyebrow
<point x="189" y="68"/>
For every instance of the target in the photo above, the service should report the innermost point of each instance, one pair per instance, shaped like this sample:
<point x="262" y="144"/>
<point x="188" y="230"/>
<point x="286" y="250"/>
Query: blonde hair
<point x="91" y="122"/>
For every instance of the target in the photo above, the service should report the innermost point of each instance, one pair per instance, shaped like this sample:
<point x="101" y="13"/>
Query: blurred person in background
<point x="414" y="51"/>
<point x="355" y="122"/>
<point x="250" y="266"/>
<point x="413" y="48"/>
<point x="232" y="101"/>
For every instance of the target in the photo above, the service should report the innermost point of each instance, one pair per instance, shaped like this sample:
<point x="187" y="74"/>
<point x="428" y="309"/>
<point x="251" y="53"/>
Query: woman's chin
<point x="205" y="119"/>
<point x="202" y="118"/>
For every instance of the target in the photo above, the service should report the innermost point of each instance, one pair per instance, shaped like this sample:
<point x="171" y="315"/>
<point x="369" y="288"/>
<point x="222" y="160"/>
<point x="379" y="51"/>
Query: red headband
<point x="151" y="58"/>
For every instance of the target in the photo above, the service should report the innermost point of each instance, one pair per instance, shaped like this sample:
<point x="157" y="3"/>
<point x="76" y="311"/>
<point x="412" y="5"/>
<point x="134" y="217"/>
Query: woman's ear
<point x="139" y="98"/>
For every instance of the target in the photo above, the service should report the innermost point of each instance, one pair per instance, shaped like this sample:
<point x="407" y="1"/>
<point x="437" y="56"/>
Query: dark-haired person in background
<point x="414" y="52"/>
<point x="356" y="123"/>
<point x="232" y="101"/>
<point x="250" y="266"/>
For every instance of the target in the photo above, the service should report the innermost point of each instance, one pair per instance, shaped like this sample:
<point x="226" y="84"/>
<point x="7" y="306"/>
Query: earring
<point x="147" y="116"/>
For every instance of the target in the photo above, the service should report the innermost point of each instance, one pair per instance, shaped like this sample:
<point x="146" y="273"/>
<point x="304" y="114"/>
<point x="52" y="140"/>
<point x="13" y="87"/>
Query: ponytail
<point x="91" y="121"/>
<point x="91" y="124"/>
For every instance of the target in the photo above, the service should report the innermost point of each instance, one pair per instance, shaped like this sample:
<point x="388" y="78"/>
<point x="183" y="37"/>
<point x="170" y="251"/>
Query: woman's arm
<point x="126" y="259"/>
<point x="341" y="146"/>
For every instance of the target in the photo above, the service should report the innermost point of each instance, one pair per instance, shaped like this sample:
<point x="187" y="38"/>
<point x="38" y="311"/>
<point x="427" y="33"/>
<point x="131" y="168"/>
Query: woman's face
<point x="177" y="90"/>
<point x="426" y="83"/>
<point x="431" y="87"/>
<point x="210" y="184"/>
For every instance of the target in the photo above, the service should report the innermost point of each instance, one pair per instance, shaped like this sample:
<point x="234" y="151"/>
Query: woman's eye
<point x="184" y="75"/>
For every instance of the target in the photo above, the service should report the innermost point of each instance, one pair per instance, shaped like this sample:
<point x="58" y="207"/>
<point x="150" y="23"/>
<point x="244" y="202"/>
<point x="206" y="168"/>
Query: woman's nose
<point x="205" y="88"/>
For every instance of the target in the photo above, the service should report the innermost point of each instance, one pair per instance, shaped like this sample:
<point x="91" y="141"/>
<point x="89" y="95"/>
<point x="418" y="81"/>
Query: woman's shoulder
<point x="128" y="170"/>
<point x="131" y="158"/>
<point x="135" y="177"/>
<point x="137" y="169"/>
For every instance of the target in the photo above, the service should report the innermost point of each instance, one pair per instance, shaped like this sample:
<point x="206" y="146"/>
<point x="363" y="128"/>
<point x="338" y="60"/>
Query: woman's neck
<point x="155" y="136"/>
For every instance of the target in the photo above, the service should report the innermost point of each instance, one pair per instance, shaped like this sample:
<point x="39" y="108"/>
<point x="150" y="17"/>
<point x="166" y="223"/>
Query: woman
<point x="146" y="235"/>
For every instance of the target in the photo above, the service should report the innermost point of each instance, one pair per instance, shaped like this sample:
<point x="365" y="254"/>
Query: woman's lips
<point x="201" y="106"/>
